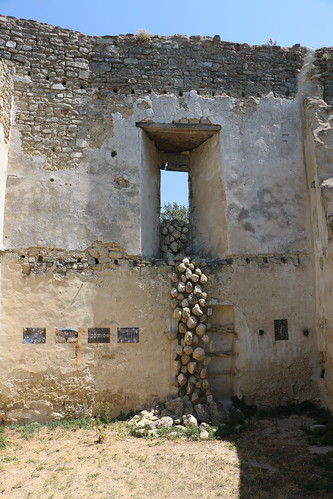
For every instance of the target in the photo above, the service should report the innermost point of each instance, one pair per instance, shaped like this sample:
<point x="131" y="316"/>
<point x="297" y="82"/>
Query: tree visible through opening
<point x="174" y="194"/>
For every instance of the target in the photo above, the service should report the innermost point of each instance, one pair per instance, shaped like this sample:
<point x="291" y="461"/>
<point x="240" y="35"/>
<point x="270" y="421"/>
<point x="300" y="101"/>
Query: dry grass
<point x="269" y="460"/>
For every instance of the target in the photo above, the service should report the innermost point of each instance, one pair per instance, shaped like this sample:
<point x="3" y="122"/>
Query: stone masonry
<point x="86" y="124"/>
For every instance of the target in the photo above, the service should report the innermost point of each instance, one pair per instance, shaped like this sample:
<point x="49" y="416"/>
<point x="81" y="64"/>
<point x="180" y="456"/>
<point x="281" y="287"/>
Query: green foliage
<point x="72" y="424"/>
<point x="27" y="430"/>
<point x="175" y="211"/>
<point x="326" y="56"/>
<point x="103" y="412"/>
<point x="2" y="438"/>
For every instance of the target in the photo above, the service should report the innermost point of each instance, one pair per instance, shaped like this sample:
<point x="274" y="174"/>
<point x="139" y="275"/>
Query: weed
<point x="9" y="459"/>
<point x="271" y="42"/>
<point x="27" y="430"/>
<point x="143" y="35"/>
<point x="326" y="56"/>
<point x="103" y="412"/>
<point x="72" y="424"/>
<point x="92" y="475"/>
<point x="18" y="485"/>
<point x="3" y="442"/>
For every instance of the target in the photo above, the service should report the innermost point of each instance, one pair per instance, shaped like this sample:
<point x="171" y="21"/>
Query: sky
<point x="308" y="22"/>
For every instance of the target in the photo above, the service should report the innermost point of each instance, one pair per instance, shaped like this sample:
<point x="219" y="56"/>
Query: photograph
<point x="127" y="335"/>
<point x="66" y="335"/>
<point x="34" y="335"/>
<point x="99" y="335"/>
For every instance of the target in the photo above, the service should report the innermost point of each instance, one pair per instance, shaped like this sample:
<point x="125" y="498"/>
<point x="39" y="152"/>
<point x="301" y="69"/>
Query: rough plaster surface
<point x="57" y="378"/>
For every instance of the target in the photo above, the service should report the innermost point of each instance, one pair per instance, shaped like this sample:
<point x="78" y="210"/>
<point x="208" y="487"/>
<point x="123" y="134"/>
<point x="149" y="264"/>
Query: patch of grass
<point x="72" y="424"/>
<point x="9" y="459"/>
<point x="3" y="441"/>
<point x="27" y="430"/>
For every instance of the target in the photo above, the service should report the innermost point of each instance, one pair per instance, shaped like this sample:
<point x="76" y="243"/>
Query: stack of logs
<point x="174" y="238"/>
<point x="189" y="357"/>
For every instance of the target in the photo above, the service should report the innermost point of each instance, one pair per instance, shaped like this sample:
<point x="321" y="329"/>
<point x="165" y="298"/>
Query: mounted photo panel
<point x="127" y="335"/>
<point x="99" y="335"/>
<point x="35" y="335"/>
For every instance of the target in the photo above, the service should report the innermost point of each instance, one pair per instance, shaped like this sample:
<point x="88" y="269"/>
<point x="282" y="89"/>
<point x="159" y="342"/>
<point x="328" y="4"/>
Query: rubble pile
<point x="174" y="238"/>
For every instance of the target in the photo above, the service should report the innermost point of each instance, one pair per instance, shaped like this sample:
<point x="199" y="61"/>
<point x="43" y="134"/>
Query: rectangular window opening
<point x="174" y="213"/>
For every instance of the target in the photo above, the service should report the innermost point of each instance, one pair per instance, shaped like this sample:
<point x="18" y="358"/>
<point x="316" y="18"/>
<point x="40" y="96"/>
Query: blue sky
<point x="309" y="23"/>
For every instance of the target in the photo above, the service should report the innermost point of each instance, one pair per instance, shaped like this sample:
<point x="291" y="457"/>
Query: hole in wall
<point x="47" y="78"/>
<point x="113" y="154"/>
<point x="149" y="91"/>
<point x="281" y="329"/>
<point x="132" y="91"/>
<point x="115" y="90"/>
<point x="51" y="179"/>
<point x="180" y="93"/>
<point x="64" y="83"/>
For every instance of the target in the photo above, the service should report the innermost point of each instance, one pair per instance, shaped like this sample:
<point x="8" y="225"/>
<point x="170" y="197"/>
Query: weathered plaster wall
<point x="208" y="204"/>
<point x="318" y="146"/>
<point x="267" y="371"/>
<point x="40" y="381"/>
<point x="150" y="198"/>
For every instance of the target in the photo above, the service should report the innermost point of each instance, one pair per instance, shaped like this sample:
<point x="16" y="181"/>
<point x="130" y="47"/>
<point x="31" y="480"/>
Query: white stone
<point x="196" y="310"/>
<point x="189" y="420"/>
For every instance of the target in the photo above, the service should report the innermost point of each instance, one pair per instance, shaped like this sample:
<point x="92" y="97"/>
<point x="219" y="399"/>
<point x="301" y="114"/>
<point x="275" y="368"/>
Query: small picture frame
<point x="98" y="335"/>
<point x="34" y="335"/>
<point x="66" y="335"/>
<point x="127" y="335"/>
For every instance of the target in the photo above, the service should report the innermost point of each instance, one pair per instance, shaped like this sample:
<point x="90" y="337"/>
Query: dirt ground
<point x="270" y="459"/>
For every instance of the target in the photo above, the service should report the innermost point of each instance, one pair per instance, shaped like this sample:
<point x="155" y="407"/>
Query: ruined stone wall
<point x="68" y="84"/>
<point x="81" y="216"/>
<point x="6" y="95"/>
<point x="323" y="72"/>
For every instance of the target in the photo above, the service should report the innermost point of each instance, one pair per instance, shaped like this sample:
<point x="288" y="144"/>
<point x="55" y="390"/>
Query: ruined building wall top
<point x="155" y="63"/>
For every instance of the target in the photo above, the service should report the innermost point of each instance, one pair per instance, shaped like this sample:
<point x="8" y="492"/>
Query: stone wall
<point x="81" y="220"/>
<point x="63" y="77"/>
<point x="6" y="95"/>
<point x="323" y="71"/>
